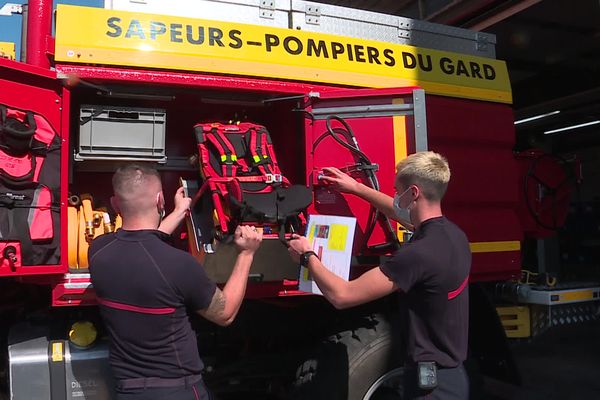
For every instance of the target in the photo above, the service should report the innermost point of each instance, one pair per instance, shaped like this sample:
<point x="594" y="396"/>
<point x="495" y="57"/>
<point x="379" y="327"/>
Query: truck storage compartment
<point x="384" y="126"/>
<point x="107" y="138"/>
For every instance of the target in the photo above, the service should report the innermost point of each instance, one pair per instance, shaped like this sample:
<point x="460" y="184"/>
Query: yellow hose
<point x="73" y="236"/>
<point x="82" y="242"/>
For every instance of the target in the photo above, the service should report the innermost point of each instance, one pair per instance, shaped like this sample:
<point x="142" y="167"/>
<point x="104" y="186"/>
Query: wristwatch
<point x="304" y="257"/>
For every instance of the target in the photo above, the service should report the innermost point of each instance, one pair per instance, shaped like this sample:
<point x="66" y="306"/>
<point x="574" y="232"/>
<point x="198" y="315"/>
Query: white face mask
<point x="401" y="212"/>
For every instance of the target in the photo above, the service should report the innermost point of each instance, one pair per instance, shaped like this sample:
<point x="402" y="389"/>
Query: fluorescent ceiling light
<point x="568" y="128"/>
<point x="522" y="121"/>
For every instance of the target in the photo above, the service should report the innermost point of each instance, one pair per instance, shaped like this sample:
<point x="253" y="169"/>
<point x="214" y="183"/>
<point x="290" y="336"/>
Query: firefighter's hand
<point x="339" y="180"/>
<point x="182" y="203"/>
<point x="247" y="238"/>
<point x="298" y="245"/>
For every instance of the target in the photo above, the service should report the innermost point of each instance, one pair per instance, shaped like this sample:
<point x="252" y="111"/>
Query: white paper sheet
<point x="331" y="238"/>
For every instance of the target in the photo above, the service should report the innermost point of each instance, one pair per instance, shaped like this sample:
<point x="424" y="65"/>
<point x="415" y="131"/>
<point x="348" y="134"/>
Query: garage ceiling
<point x="552" y="49"/>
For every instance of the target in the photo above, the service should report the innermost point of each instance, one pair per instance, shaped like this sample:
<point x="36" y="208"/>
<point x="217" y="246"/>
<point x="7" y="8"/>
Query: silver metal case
<point x="324" y="18"/>
<point x="76" y="374"/>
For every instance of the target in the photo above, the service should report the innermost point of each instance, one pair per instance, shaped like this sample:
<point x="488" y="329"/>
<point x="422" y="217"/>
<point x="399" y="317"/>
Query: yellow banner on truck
<point x="98" y="36"/>
<point x="7" y="50"/>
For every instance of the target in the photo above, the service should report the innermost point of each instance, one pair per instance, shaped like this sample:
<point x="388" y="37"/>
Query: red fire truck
<point x="130" y="81"/>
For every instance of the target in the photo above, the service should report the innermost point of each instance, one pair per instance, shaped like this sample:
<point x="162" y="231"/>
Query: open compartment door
<point x="364" y="132"/>
<point x="33" y="166"/>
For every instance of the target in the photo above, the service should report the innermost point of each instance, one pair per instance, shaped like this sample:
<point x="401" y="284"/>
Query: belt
<point x="413" y="366"/>
<point x="155" y="382"/>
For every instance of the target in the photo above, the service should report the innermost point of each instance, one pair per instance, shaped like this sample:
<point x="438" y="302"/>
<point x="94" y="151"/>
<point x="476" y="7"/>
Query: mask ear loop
<point x="396" y="201"/>
<point x="397" y="197"/>
<point x="396" y="206"/>
<point x="160" y="209"/>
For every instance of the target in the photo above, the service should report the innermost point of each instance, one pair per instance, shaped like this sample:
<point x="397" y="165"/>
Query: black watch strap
<point x="304" y="257"/>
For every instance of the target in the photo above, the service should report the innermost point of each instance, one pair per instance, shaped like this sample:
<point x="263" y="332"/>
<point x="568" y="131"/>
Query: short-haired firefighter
<point x="431" y="270"/>
<point x="145" y="286"/>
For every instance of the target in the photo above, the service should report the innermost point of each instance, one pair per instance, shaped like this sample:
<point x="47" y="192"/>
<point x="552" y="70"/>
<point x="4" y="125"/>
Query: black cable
<point x="374" y="214"/>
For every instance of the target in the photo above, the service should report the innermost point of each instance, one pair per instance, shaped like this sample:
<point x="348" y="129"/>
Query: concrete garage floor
<point x="561" y="364"/>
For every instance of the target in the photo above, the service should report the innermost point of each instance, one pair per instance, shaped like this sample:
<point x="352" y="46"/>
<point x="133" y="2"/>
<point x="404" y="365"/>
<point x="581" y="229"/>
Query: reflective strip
<point x="491" y="247"/>
<point x="39" y="161"/>
<point x="263" y="144"/>
<point x="39" y="219"/>
<point x="137" y="309"/>
<point x="224" y="157"/>
<point x="577" y="295"/>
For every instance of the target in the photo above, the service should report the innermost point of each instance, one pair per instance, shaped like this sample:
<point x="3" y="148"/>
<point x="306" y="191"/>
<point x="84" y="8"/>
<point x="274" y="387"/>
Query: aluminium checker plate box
<point x="558" y="307"/>
<point x="323" y="18"/>
<point x="544" y="317"/>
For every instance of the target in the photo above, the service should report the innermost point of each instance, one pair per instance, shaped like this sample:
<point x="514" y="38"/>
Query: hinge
<point x="482" y="41"/>
<point x="11" y="8"/>
<point x="313" y="14"/>
<point x="403" y="28"/>
<point x="267" y="9"/>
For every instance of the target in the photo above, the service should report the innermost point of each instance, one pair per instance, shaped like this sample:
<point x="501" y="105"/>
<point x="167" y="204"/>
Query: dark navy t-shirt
<point x="433" y="264"/>
<point x="144" y="287"/>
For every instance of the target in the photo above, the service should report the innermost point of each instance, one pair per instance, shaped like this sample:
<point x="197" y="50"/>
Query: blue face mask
<point x="401" y="212"/>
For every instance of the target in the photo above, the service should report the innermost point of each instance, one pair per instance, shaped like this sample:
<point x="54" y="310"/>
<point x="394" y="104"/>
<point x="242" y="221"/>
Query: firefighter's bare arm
<point x="370" y="286"/>
<point x="345" y="183"/>
<point x="172" y="221"/>
<point x="226" y="303"/>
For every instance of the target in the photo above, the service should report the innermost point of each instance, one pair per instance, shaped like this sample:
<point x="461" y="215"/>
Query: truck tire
<point x="357" y="364"/>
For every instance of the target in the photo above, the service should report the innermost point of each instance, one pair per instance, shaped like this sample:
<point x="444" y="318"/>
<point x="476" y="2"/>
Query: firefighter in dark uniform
<point x="145" y="286"/>
<point x="431" y="271"/>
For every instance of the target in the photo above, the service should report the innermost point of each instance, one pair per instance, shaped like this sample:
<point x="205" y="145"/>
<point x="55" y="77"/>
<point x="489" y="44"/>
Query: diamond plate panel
<point x="546" y="317"/>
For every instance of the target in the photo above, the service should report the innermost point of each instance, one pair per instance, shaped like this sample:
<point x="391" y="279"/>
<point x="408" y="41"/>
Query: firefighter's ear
<point x="416" y="192"/>
<point x="115" y="204"/>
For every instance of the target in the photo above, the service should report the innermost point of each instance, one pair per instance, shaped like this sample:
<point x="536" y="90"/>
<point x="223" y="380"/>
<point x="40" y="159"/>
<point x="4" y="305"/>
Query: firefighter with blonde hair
<point x="430" y="272"/>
